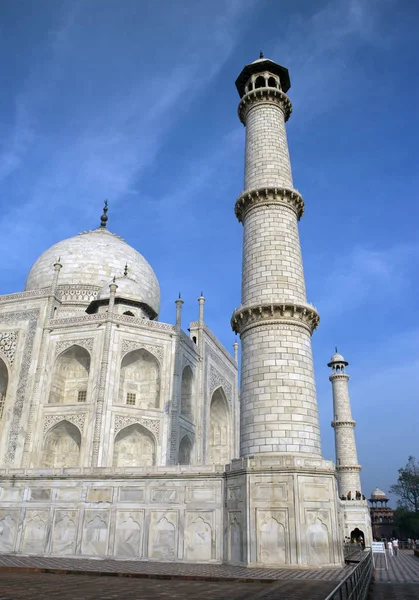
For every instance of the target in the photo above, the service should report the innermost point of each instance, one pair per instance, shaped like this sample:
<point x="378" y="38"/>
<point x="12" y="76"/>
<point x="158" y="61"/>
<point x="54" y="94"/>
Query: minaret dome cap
<point x="337" y="358"/>
<point x="258" y="66"/>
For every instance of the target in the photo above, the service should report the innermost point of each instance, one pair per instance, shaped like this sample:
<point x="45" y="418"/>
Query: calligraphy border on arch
<point x="31" y="317"/>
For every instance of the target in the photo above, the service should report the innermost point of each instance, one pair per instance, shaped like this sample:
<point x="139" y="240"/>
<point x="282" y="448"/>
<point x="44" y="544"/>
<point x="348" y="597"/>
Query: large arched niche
<point x="70" y="377"/>
<point x="4" y="382"/>
<point x="134" y="446"/>
<point x="61" y="446"/>
<point x="140" y="380"/>
<point x="219" y="429"/>
<point x="186" y="409"/>
<point x="185" y="451"/>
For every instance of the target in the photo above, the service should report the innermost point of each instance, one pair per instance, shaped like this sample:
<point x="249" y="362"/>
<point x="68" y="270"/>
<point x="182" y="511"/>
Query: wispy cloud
<point x="377" y="275"/>
<point x="104" y="152"/>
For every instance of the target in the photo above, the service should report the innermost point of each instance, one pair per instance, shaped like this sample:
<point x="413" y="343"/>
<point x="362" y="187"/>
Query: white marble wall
<point x="178" y="518"/>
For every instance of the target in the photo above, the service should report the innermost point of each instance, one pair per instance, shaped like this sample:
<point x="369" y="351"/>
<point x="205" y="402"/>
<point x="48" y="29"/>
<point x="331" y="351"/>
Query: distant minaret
<point x="347" y="466"/>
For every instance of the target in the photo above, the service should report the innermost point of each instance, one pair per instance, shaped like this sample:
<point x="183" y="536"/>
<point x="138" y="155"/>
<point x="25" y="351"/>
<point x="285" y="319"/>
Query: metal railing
<point x="355" y="585"/>
<point x="353" y="548"/>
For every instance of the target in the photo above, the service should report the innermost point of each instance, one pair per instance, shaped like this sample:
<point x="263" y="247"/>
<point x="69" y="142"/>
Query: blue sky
<point x="134" y="101"/>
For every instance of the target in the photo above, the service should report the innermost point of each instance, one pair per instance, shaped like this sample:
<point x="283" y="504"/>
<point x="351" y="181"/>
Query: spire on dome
<point x="104" y="217"/>
<point x="261" y="54"/>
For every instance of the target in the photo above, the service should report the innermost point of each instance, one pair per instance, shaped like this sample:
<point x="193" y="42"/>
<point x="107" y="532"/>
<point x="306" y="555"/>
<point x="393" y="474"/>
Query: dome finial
<point x="126" y="270"/>
<point x="261" y="54"/>
<point x="104" y="217"/>
<point x="336" y="349"/>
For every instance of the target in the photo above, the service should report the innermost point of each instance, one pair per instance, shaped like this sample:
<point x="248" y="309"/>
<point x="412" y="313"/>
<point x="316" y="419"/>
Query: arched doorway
<point x="71" y="376"/>
<point x="140" y="380"/>
<point x="357" y="535"/>
<point x="186" y="393"/>
<point x="134" y="447"/>
<point x="62" y="446"/>
<point x="219" y="430"/>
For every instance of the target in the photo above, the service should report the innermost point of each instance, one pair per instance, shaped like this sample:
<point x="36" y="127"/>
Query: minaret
<point x="275" y="322"/>
<point x="286" y="512"/>
<point x="347" y="465"/>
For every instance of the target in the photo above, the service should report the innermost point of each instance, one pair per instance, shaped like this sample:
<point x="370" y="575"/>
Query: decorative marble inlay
<point x="122" y="421"/>
<point x="217" y="380"/>
<point x="8" y="342"/>
<point x="130" y="345"/>
<point x="86" y="343"/>
<point x="31" y="318"/>
<point x="77" y="419"/>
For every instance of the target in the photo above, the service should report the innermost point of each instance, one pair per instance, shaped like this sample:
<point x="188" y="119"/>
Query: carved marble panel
<point x="129" y="534"/>
<point x="11" y="494"/>
<point x="99" y="494"/>
<point x="169" y="495"/>
<point x="70" y="494"/>
<point x="35" y="531"/>
<point x="95" y="532"/>
<point x="64" y="533"/>
<point x="200" y="494"/>
<point x="235" y="537"/>
<point x="163" y="535"/>
<point x="313" y="492"/>
<point x="272" y="492"/>
<point x="199" y="538"/>
<point x="39" y="494"/>
<point x="272" y="536"/>
<point x="131" y="494"/>
<point x="317" y="536"/>
<point x="9" y="520"/>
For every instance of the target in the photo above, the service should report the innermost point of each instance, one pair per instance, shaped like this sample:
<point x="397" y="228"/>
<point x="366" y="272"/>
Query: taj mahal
<point x="122" y="436"/>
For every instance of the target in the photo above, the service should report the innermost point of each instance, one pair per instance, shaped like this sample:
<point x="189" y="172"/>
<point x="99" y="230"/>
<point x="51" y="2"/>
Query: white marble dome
<point x="377" y="493"/>
<point x="127" y="288"/>
<point x="94" y="258"/>
<point x="337" y="358"/>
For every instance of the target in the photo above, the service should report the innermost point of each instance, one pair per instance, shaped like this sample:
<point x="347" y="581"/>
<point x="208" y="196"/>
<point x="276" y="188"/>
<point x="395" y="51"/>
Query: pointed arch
<point x="219" y="430"/>
<point x="185" y="451"/>
<point x="186" y="409"/>
<point x="4" y="384"/>
<point x="260" y="82"/>
<point x="70" y="377"/>
<point x="140" y="380"/>
<point x="134" y="446"/>
<point x="61" y="446"/>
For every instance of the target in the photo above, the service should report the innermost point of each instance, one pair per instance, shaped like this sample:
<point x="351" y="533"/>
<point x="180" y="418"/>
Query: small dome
<point x="337" y="358"/>
<point x="127" y="288"/>
<point x="378" y="494"/>
<point x="94" y="258"/>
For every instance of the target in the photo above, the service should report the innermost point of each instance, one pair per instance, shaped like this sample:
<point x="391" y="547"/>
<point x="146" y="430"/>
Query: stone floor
<point x="400" y="581"/>
<point x="31" y="578"/>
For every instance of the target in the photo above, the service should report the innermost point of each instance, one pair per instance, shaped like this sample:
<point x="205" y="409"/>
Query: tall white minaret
<point x="286" y="511"/>
<point x="275" y="321"/>
<point x="347" y="466"/>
